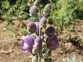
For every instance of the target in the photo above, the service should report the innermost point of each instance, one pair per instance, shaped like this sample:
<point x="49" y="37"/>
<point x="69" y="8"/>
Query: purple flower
<point x="50" y="31"/>
<point x="52" y="43"/>
<point x="27" y="44"/>
<point x="38" y="42"/>
<point x="43" y="21"/>
<point x="33" y="10"/>
<point x="31" y="27"/>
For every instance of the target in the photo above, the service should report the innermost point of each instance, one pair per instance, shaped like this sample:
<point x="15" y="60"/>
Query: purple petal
<point x="29" y="40"/>
<point x="43" y="20"/>
<point x="52" y="43"/>
<point x="27" y="44"/>
<point x="50" y="31"/>
<point x="38" y="39"/>
<point x="31" y="27"/>
<point x="25" y="47"/>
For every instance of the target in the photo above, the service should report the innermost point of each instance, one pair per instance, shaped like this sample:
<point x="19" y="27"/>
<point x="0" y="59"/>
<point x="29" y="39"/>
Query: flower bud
<point x="36" y="3"/>
<point x="52" y="43"/>
<point x="38" y="42"/>
<point x="35" y="59"/>
<point x="50" y="31"/>
<point x="43" y="21"/>
<point x="37" y="47"/>
<point x="27" y="44"/>
<point x="20" y="17"/>
<point x="37" y="26"/>
<point x="33" y="10"/>
<point x="47" y="8"/>
<point x="31" y="27"/>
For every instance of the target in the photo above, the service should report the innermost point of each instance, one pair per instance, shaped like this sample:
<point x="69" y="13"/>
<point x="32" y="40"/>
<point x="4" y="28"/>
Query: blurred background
<point x="66" y="16"/>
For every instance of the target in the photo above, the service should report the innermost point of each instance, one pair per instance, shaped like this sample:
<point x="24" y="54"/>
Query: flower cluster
<point x="32" y="44"/>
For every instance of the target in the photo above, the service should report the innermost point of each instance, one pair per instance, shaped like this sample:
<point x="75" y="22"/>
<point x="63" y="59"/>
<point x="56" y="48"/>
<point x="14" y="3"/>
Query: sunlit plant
<point x="38" y="42"/>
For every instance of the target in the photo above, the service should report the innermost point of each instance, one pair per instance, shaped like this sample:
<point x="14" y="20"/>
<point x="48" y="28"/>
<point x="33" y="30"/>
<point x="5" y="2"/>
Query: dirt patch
<point x="10" y="50"/>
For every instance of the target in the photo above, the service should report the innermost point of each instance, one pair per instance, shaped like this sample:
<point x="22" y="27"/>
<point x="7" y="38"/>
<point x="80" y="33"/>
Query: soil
<point x="11" y="37"/>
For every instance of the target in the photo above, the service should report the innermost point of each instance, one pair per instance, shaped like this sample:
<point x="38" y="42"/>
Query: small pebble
<point x="4" y="29"/>
<point x="82" y="26"/>
<point x="68" y="45"/>
<point x="61" y="52"/>
<point x="6" y="52"/>
<point x="22" y="37"/>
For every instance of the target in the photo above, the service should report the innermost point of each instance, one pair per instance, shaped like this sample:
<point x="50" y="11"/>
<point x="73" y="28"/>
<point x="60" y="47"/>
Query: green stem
<point x="39" y="58"/>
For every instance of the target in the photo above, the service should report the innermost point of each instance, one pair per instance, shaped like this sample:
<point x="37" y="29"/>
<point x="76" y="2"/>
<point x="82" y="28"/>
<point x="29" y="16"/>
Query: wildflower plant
<point x="38" y="42"/>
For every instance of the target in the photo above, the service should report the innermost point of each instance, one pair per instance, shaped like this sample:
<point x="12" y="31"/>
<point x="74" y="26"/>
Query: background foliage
<point x="63" y="12"/>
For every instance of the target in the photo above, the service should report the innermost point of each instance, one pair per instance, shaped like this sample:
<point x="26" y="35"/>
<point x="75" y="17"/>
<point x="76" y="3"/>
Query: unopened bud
<point x="20" y="17"/>
<point x="47" y="9"/>
<point x="31" y="27"/>
<point x="43" y="21"/>
<point x="38" y="42"/>
<point x="36" y="2"/>
<point x="33" y="10"/>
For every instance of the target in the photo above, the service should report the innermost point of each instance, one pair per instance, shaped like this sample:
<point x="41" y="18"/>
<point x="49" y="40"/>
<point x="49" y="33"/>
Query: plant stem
<point x="39" y="58"/>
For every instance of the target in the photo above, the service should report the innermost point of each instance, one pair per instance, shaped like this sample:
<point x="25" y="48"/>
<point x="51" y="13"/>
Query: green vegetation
<point x="63" y="12"/>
